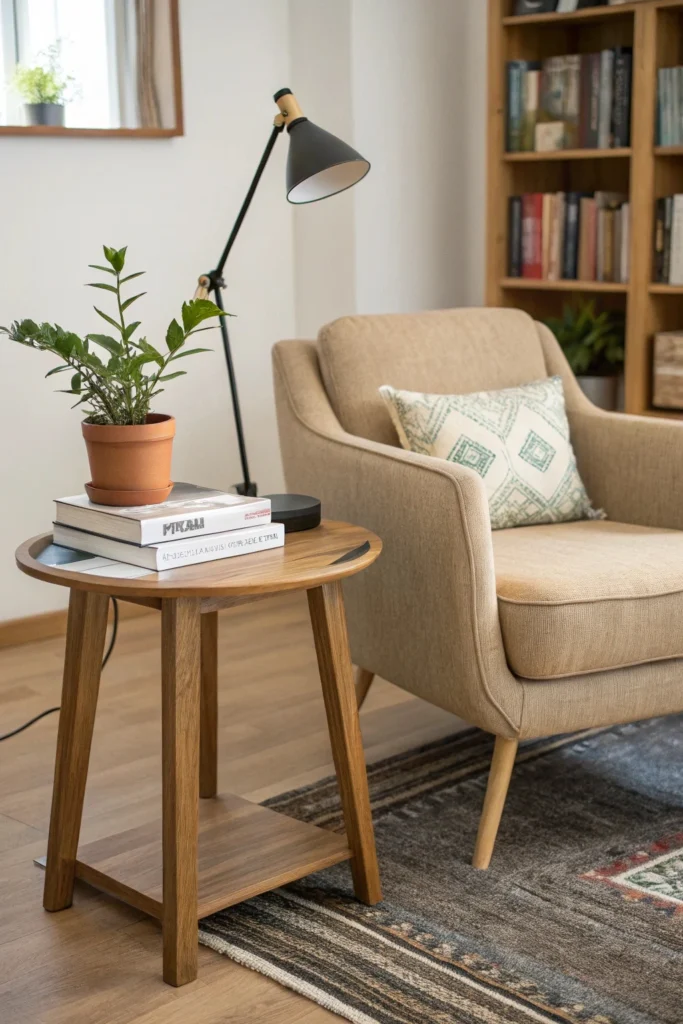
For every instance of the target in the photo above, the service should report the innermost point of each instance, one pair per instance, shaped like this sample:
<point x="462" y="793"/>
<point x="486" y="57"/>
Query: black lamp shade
<point x="319" y="164"/>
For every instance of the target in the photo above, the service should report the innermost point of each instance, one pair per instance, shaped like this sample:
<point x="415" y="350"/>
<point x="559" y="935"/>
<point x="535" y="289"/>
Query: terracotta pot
<point x="130" y="465"/>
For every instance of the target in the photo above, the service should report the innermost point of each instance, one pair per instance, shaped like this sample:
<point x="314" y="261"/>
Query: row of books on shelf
<point x="668" y="254"/>
<point x="577" y="101"/>
<point x="670" y="106"/>
<point x="196" y="524"/>
<point x="563" y="6"/>
<point x="569" y="236"/>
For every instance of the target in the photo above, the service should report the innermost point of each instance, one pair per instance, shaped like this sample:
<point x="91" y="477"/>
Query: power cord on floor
<point x="107" y="656"/>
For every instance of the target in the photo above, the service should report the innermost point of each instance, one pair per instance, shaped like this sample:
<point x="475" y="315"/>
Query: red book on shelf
<point x="532" y="235"/>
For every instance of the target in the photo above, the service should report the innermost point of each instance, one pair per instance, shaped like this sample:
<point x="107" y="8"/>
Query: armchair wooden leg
<point x="363" y="684"/>
<point x="502" y="764"/>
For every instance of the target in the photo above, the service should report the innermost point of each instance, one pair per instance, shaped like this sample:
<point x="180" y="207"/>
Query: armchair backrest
<point x="451" y="351"/>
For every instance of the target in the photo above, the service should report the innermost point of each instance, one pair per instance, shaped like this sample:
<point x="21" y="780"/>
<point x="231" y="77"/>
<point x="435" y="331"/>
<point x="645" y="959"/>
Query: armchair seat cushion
<point x="587" y="596"/>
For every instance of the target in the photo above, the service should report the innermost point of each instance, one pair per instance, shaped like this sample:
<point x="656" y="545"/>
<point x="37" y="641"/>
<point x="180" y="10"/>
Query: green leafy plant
<point x="45" y="82"/>
<point x="592" y="342"/>
<point x="121" y="389"/>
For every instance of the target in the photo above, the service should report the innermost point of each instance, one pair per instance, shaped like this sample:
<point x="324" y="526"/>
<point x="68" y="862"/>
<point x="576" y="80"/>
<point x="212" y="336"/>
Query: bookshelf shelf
<point x="666" y="414"/>
<point x="570" y="154"/>
<point x="642" y="173"/>
<point x="541" y="284"/>
<point x="588" y="14"/>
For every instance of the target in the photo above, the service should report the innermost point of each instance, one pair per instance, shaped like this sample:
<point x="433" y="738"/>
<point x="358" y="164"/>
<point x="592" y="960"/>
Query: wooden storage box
<point x="667" y="370"/>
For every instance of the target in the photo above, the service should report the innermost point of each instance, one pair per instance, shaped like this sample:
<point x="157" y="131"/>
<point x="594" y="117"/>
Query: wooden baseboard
<point x="50" y="624"/>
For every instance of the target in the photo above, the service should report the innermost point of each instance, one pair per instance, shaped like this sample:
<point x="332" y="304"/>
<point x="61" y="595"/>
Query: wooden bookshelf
<point x="645" y="171"/>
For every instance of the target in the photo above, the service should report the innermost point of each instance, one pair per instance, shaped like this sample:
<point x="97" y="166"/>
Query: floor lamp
<point x="318" y="165"/>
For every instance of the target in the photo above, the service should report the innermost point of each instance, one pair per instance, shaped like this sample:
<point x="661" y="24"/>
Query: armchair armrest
<point x="632" y="466"/>
<point x="425" y="616"/>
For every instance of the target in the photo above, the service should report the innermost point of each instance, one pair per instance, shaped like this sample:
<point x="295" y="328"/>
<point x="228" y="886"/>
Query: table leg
<point x="85" y="634"/>
<point x="326" y="606"/>
<point x="180" y="688"/>
<point x="208" y="730"/>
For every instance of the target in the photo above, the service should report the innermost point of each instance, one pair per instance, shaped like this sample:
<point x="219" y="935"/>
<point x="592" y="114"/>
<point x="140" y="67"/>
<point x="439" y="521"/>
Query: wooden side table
<point x="195" y="861"/>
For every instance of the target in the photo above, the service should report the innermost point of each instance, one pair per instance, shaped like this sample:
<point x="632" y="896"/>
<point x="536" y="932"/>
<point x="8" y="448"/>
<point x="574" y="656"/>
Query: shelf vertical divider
<point x="498" y="173"/>
<point x="642" y="199"/>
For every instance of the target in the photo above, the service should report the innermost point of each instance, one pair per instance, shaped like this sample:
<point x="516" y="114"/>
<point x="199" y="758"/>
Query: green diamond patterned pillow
<point x="516" y="439"/>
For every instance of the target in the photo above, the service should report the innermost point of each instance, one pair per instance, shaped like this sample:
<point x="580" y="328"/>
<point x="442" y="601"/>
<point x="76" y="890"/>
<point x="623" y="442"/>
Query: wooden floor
<point x="100" y="961"/>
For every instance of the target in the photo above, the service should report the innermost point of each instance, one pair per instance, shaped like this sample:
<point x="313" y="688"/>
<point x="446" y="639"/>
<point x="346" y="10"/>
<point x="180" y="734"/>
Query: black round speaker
<point x="295" y="511"/>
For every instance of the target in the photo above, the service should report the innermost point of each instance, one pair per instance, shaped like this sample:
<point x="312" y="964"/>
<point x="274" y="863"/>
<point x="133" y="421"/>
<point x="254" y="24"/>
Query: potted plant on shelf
<point x="129" y="447"/>
<point x="594" y="346"/>
<point x="44" y="88"/>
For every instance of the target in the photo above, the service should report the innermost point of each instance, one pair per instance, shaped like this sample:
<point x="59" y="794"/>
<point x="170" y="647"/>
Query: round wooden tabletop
<point x="308" y="559"/>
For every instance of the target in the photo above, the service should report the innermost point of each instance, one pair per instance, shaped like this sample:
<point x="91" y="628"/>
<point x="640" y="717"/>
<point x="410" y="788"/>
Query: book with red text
<point x="532" y="235"/>
<point x="173" y="554"/>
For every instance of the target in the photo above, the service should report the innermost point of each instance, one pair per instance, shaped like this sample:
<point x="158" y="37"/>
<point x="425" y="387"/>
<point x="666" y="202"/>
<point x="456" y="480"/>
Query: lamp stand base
<point x="296" y="511"/>
<point x="248" y="490"/>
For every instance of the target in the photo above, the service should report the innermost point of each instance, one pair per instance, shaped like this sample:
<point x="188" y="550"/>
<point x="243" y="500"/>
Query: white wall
<point x="172" y="201"/>
<point x="404" y="82"/>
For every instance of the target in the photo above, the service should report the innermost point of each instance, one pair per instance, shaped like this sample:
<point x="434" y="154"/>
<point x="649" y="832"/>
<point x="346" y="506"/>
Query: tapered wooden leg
<point x="85" y="634"/>
<point x="208" y="730"/>
<point x="326" y="605"/>
<point x="502" y="763"/>
<point x="363" y="684"/>
<point x="180" y="680"/>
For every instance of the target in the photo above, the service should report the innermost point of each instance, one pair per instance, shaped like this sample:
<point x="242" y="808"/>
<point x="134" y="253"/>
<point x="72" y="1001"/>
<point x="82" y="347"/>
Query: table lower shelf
<point x="244" y="849"/>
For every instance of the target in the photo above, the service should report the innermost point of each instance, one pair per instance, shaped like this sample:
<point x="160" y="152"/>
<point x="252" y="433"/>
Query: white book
<point x="566" y="6"/>
<point x="676" y="265"/>
<point x="605" y="108"/>
<point x="174" y="553"/>
<point x="188" y="511"/>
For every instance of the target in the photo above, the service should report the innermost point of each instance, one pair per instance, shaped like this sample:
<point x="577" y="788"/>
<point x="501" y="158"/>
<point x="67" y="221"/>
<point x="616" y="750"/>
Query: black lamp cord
<point x="107" y="656"/>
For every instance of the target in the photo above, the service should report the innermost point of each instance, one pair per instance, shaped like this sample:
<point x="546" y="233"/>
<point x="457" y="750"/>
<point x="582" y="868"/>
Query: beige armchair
<point x="525" y="632"/>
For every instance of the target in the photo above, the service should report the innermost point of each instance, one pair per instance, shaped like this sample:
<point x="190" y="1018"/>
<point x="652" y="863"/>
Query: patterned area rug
<point x="579" y="919"/>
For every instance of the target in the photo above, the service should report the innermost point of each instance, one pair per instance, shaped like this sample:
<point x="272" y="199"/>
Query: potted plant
<point x="594" y="346"/>
<point x="129" y="447"/>
<point x="43" y="88"/>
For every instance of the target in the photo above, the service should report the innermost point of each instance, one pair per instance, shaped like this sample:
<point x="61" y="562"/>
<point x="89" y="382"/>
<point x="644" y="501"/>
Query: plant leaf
<point x="107" y="318"/>
<point x="175" y="336"/>
<point x="131" y="300"/>
<point x="58" y="369"/>
<point x="100" y="284"/>
<point x="76" y="383"/>
<point x="170" y="376"/>
<point x="130" y="330"/>
<point x="129" y="277"/>
<point x="110" y="344"/>
<point x="98" y="266"/>
<point x="117" y="257"/>
<point x="196" y="310"/>
<point x="188" y="352"/>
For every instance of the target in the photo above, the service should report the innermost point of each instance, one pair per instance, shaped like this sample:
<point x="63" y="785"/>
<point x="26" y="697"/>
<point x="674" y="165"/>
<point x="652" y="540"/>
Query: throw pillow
<point x="516" y="439"/>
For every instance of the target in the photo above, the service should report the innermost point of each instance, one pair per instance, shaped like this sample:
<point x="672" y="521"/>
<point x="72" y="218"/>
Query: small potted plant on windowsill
<point x="44" y="88"/>
<point x="594" y="346"/>
<point x="129" y="447"/>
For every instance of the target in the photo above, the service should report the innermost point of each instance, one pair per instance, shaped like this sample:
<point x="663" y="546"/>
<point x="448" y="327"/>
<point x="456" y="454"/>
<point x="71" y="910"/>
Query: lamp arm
<point x="277" y="130"/>
<point x="213" y="282"/>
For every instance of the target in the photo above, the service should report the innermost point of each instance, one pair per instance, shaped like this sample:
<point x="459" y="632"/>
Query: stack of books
<point x="195" y="524"/>
<point x="670" y="106"/>
<point x="572" y="236"/>
<point x="668" y="259"/>
<point x="577" y="101"/>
